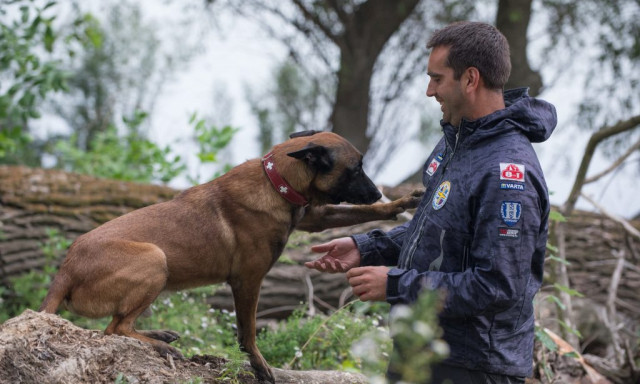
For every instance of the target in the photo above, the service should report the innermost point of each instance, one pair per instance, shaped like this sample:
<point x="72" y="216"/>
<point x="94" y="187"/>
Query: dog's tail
<point x="58" y="291"/>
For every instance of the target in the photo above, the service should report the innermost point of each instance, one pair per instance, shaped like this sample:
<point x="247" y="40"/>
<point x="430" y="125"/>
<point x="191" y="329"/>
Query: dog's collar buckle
<point x="280" y="184"/>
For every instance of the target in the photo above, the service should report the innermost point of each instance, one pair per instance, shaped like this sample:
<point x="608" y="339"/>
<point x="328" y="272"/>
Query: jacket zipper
<point x="414" y="240"/>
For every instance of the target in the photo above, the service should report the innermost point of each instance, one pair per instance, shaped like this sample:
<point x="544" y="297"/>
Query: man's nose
<point x="430" y="90"/>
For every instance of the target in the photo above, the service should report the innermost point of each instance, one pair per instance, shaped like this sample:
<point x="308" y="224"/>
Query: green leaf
<point x="557" y="217"/>
<point x="49" y="38"/>
<point x="558" y="260"/>
<point x="556" y="300"/>
<point x="546" y="340"/>
<point x="567" y="290"/>
<point x="569" y="329"/>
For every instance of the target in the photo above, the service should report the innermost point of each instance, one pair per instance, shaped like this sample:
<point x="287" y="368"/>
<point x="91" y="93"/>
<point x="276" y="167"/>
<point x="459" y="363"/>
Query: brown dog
<point x="232" y="229"/>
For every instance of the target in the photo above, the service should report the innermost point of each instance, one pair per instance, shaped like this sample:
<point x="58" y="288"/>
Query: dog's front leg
<point x="245" y="296"/>
<point x="319" y="218"/>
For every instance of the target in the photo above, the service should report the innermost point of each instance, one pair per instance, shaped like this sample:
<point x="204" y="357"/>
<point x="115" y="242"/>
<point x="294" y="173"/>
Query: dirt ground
<point x="43" y="348"/>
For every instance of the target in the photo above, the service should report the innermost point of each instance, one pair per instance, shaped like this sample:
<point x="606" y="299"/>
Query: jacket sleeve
<point x="381" y="248"/>
<point x="502" y="253"/>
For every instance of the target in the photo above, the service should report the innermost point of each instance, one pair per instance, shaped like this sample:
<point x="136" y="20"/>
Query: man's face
<point x="443" y="86"/>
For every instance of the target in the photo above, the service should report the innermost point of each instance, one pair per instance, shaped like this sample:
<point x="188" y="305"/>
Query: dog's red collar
<point x="280" y="184"/>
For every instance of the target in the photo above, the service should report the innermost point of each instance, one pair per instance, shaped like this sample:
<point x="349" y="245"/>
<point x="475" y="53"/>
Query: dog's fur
<point x="232" y="229"/>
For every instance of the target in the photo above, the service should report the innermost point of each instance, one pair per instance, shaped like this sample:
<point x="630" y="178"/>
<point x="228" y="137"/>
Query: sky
<point x="236" y="56"/>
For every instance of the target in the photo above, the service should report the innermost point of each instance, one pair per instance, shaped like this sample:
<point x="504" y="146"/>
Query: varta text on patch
<point x="515" y="186"/>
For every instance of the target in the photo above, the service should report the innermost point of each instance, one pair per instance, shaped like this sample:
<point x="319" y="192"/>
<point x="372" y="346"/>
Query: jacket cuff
<point x="364" y="244"/>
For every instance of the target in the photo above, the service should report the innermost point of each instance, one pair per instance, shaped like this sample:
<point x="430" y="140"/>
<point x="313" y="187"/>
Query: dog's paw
<point x="408" y="201"/>
<point x="263" y="370"/>
<point x="166" y="335"/>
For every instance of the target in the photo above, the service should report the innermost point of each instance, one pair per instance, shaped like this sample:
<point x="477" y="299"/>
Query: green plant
<point x="318" y="342"/>
<point x="236" y="365"/>
<point x="28" y="290"/>
<point x="417" y="338"/>
<point x="131" y="158"/>
<point x="210" y="141"/>
<point x="27" y="42"/>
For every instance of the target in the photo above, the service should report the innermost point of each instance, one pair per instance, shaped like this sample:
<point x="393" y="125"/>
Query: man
<point x="480" y="231"/>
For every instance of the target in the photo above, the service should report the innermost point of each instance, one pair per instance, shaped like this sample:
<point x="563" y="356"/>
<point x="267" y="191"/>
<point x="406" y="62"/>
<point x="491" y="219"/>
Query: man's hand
<point x="369" y="283"/>
<point x="341" y="255"/>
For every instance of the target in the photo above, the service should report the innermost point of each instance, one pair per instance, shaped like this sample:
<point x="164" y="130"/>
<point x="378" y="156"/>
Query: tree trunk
<point x="366" y="32"/>
<point x="512" y="20"/>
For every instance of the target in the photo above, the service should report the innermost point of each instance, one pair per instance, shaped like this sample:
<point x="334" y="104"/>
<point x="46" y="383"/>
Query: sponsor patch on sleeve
<point x="514" y="186"/>
<point x="511" y="212"/>
<point x="512" y="172"/>
<point x="508" y="233"/>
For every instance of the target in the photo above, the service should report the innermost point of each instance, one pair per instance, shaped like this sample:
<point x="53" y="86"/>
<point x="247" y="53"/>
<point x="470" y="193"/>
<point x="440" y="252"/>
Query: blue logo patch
<point x="511" y="212"/>
<point x="516" y="186"/>
<point x="441" y="195"/>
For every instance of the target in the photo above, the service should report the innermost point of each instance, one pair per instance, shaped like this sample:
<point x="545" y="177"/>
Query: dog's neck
<point x="280" y="184"/>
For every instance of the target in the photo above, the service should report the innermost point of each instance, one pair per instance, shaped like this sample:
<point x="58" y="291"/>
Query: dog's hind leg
<point x="143" y="278"/>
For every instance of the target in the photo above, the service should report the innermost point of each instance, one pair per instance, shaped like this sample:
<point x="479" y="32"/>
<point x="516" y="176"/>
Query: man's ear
<point x="316" y="156"/>
<point x="472" y="78"/>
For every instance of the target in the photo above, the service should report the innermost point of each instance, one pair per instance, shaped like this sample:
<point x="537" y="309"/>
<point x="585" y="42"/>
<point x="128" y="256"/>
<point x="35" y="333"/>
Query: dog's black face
<point x="355" y="187"/>
<point x="339" y="174"/>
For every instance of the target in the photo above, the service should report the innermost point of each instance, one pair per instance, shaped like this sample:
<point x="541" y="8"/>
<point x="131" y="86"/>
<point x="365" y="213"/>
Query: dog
<point x="231" y="229"/>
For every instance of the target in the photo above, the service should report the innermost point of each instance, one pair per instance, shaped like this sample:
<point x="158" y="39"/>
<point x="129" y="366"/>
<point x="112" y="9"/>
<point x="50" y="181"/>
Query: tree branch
<point x="614" y="165"/>
<point x="313" y="17"/>
<point x="628" y="227"/>
<point x="595" y="139"/>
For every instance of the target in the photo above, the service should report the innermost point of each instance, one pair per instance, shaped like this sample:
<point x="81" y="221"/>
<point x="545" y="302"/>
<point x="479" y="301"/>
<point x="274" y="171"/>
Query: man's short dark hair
<point x="479" y="45"/>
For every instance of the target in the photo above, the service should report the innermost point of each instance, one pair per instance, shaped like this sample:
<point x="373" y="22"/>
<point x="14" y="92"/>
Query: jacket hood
<point x="535" y="118"/>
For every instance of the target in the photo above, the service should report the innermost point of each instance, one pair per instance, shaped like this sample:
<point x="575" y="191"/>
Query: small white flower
<point x="400" y="312"/>
<point x="340" y="326"/>
<point x="440" y="347"/>
<point x="423" y="329"/>
<point x="269" y="165"/>
<point x="283" y="189"/>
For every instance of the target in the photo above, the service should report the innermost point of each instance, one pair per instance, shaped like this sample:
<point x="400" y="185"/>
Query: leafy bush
<point x="130" y="158"/>
<point x="318" y="342"/>
<point x="27" y="44"/>
<point x="210" y="141"/>
<point x="417" y="338"/>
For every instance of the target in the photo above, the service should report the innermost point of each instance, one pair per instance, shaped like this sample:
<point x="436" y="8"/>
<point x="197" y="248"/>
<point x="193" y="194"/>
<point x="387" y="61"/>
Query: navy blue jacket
<point x="479" y="234"/>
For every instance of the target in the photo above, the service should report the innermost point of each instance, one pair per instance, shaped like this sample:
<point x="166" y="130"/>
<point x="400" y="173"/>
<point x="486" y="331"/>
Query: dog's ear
<point x="303" y="133"/>
<point x="316" y="156"/>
